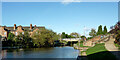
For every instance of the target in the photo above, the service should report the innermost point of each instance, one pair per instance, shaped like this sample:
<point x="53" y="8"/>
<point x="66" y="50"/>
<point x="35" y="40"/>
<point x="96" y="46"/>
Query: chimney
<point x="30" y="26"/>
<point x="14" y="26"/>
<point x="35" y="26"/>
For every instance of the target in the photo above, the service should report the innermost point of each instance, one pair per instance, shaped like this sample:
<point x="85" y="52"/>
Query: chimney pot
<point x="35" y="26"/>
<point x="14" y="26"/>
<point x="30" y="26"/>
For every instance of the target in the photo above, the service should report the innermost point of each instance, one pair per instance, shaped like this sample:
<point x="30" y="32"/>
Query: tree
<point x="10" y="39"/>
<point x="74" y="34"/>
<point x="27" y="40"/>
<point x="83" y="36"/>
<point x="105" y="30"/>
<point x="92" y="33"/>
<point x="19" y="40"/>
<point x="10" y="36"/>
<point x="117" y="38"/>
<point x="99" y="32"/>
<point x="63" y="35"/>
<point x="44" y="38"/>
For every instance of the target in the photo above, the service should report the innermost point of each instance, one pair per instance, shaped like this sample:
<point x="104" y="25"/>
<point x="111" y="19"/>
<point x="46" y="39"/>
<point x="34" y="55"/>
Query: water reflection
<point x="56" y="52"/>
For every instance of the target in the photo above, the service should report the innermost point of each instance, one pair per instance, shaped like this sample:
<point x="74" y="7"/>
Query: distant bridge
<point x="71" y="39"/>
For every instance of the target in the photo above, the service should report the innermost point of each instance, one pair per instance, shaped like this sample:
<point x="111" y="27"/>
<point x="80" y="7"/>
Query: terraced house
<point x="4" y="30"/>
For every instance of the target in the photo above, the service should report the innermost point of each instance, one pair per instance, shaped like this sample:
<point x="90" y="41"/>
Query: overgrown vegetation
<point x="44" y="37"/>
<point x="117" y="45"/>
<point x="39" y="38"/>
<point x="72" y="35"/>
<point x="100" y="31"/>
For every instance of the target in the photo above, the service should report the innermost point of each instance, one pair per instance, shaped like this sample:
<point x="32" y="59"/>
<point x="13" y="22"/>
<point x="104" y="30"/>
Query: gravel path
<point x="112" y="48"/>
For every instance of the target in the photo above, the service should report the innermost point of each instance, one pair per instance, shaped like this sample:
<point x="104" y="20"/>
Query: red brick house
<point x="4" y="30"/>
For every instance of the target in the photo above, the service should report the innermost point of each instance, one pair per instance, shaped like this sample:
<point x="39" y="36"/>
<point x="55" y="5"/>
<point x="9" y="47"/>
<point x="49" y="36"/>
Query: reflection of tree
<point x="0" y="37"/>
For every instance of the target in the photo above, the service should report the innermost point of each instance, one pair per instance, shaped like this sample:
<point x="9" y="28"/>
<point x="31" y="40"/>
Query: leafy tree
<point x="27" y="39"/>
<point x="63" y="35"/>
<point x="92" y="33"/>
<point x="83" y="36"/>
<point x="99" y="32"/>
<point x="74" y="34"/>
<point x="19" y="40"/>
<point x="105" y="30"/>
<point x="10" y="39"/>
<point x="117" y="38"/>
<point x="10" y="36"/>
<point x="44" y="37"/>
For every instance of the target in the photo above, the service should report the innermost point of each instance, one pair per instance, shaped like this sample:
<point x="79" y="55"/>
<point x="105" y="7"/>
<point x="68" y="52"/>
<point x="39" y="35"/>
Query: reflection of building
<point x="4" y="31"/>
<point x="3" y="53"/>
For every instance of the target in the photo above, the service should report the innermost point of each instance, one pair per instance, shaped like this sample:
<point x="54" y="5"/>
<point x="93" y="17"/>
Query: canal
<point x="53" y="52"/>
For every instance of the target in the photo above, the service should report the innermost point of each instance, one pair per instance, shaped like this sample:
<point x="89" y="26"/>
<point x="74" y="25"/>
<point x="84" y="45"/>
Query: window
<point x="22" y="32"/>
<point x="15" y="33"/>
<point x="4" y="33"/>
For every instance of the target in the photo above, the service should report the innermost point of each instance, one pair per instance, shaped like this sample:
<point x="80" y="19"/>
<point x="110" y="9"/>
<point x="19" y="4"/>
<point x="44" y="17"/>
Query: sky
<point x="77" y="17"/>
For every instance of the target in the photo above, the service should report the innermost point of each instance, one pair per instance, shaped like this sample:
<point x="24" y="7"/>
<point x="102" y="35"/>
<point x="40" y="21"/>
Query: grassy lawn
<point x="98" y="52"/>
<point x="96" y="48"/>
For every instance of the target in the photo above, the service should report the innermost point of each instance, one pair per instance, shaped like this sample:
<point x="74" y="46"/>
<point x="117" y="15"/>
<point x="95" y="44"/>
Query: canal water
<point x="54" y="52"/>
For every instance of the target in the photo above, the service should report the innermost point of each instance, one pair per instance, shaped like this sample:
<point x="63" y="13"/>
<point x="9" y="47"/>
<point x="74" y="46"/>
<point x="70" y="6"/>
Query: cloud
<point x="69" y="1"/>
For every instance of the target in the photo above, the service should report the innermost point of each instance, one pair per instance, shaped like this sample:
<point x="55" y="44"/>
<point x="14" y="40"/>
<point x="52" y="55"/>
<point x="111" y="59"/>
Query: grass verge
<point x="98" y="52"/>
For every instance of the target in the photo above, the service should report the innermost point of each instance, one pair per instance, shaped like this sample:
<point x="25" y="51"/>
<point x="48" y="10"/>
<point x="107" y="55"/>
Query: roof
<point x="26" y="28"/>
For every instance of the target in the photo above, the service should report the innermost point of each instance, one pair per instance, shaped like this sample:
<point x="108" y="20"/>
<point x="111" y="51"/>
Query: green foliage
<point x="117" y="45"/>
<point x="105" y="30"/>
<point x="92" y="33"/>
<point x="117" y="38"/>
<point x="83" y="37"/>
<point x="23" y="40"/>
<point x="10" y="36"/>
<point x="74" y="34"/>
<point x="39" y="38"/>
<point x="89" y="38"/>
<point x="99" y="32"/>
<point x="44" y="37"/>
<point x="81" y="44"/>
<point x="98" y="52"/>
<point x="63" y="35"/>
<point x="97" y="48"/>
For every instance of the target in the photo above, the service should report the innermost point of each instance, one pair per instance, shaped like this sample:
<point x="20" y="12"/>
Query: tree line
<point x="100" y="31"/>
<point x="40" y="38"/>
<point x="44" y="38"/>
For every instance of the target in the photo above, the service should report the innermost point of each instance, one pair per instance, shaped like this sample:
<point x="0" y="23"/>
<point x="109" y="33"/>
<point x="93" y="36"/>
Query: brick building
<point x="4" y="30"/>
